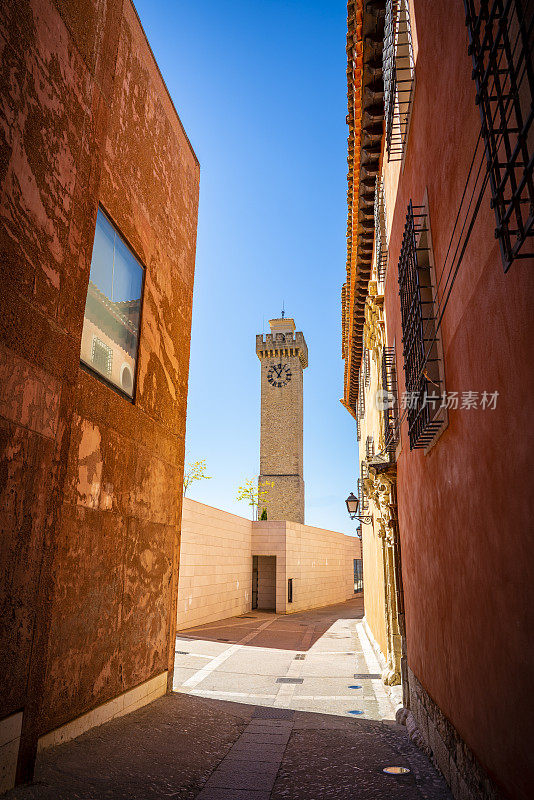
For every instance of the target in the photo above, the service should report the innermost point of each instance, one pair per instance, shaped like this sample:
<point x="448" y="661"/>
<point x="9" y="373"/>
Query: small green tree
<point x="254" y="493"/>
<point x="195" y="471"/>
<point x="263" y="514"/>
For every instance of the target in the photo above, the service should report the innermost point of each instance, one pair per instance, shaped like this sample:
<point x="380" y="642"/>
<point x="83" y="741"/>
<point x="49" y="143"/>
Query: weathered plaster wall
<point x="215" y="579"/>
<point x="90" y="505"/>
<point x="466" y="508"/>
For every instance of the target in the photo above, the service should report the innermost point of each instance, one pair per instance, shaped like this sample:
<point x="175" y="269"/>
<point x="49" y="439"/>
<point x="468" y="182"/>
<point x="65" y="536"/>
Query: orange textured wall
<point x="90" y="497"/>
<point x="466" y="509"/>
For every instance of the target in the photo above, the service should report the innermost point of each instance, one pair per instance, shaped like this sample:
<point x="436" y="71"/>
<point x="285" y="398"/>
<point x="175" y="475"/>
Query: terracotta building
<point x="437" y="340"/>
<point x="98" y="216"/>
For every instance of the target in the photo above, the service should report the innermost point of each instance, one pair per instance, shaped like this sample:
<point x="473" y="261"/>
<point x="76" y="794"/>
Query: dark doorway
<point x="264" y="583"/>
<point x="254" y="581"/>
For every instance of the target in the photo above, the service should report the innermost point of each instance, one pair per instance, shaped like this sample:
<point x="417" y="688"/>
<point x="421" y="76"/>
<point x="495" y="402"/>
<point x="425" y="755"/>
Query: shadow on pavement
<point x="172" y="748"/>
<point x="297" y="631"/>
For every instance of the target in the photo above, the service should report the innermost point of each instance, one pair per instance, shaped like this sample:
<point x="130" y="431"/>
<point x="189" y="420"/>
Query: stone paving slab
<point x="233" y="794"/>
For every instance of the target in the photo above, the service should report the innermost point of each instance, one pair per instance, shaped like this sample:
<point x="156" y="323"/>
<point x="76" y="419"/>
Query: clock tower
<point x="283" y="356"/>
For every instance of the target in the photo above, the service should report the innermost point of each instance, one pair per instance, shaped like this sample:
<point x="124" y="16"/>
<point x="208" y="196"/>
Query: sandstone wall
<point x="215" y="579"/>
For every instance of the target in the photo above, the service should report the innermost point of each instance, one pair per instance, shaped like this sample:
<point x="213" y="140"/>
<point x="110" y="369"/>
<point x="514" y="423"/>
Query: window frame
<point x="83" y="364"/>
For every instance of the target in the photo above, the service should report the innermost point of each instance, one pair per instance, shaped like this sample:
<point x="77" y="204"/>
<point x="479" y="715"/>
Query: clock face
<point x="279" y="375"/>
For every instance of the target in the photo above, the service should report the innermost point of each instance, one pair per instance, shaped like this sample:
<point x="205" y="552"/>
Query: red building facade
<point x="91" y="468"/>
<point x="441" y="122"/>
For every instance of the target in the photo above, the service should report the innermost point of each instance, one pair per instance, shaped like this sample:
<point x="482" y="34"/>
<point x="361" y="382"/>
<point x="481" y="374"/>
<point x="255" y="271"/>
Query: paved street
<point x="306" y="662"/>
<point x="264" y="709"/>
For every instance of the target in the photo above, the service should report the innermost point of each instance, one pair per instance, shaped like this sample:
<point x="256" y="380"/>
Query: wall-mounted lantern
<point x="352" y="507"/>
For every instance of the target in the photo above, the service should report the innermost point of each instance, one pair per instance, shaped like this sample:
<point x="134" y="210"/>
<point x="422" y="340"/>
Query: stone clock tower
<point x="283" y="355"/>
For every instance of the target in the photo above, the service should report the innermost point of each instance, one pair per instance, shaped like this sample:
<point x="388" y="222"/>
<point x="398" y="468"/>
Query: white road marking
<point x="203" y="673"/>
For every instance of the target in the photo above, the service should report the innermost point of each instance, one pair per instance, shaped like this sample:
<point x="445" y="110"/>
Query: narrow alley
<point x="266" y="707"/>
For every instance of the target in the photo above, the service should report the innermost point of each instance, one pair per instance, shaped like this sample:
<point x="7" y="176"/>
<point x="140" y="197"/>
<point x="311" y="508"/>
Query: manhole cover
<point x="181" y="652"/>
<point x="300" y="656"/>
<point x="396" y="770"/>
<point x="371" y="675"/>
<point x="290" y="680"/>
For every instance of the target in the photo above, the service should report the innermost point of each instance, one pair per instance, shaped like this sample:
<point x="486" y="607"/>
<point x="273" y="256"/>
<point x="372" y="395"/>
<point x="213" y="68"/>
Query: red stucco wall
<point x="90" y="497"/>
<point x="466" y="509"/>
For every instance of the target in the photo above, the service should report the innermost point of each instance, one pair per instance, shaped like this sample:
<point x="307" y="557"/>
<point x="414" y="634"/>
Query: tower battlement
<point x="278" y="345"/>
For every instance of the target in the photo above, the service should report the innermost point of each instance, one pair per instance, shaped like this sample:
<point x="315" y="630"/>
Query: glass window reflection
<point x="113" y="308"/>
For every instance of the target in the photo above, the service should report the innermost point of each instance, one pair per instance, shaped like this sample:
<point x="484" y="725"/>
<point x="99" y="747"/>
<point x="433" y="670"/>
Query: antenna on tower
<point x="283" y="310"/>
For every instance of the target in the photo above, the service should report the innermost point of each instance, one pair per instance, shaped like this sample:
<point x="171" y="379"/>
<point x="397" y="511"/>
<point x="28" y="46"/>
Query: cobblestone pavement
<point x="231" y="731"/>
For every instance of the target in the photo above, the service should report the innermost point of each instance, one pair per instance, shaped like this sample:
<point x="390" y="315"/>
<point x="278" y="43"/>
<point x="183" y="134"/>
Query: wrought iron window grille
<point x="101" y="356"/>
<point x="500" y="44"/>
<point x="362" y="492"/>
<point x="381" y="248"/>
<point x="399" y="73"/>
<point x="367" y="366"/>
<point x="369" y="448"/>
<point x="391" y="400"/>
<point x="423" y="365"/>
<point x="358" y="575"/>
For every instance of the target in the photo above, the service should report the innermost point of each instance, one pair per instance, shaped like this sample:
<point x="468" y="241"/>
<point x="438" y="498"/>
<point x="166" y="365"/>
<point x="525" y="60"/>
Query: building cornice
<point x="365" y="118"/>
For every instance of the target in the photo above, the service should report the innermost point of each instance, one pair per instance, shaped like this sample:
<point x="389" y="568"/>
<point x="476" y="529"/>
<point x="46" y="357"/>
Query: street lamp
<point x="352" y="507"/>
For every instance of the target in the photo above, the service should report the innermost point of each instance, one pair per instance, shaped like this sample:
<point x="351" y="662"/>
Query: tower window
<point x="110" y="335"/>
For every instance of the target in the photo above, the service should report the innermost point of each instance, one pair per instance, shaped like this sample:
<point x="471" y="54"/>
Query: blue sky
<point x="260" y="87"/>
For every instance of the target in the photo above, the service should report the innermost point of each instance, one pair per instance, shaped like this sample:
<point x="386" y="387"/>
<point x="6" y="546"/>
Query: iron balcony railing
<point x="391" y="400"/>
<point x="381" y="248"/>
<point x="398" y="71"/>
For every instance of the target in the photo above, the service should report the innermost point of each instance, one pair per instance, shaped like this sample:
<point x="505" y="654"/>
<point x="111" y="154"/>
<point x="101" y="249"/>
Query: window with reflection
<point x="113" y="308"/>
